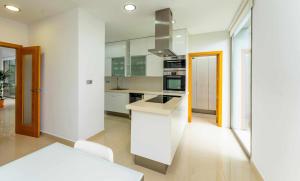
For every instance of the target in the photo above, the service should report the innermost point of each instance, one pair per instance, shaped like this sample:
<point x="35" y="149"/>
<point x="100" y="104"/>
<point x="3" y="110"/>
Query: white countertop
<point x="157" y="108"/>
<point x="60" y="162"/>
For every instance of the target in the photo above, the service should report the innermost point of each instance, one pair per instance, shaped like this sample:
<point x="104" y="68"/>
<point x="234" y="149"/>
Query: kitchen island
<point x="156" y="130"/>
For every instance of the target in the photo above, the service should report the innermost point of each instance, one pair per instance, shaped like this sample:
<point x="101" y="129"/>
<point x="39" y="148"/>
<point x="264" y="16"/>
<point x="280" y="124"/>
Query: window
<point x="241" y="78"/>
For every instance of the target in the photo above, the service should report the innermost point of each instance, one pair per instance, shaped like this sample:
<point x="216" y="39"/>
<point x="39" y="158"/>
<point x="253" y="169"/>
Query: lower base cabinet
<point x="116" y="102"/>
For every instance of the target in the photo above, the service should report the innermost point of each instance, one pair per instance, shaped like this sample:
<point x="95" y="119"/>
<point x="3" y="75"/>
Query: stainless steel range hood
<point x="163" y="33"/>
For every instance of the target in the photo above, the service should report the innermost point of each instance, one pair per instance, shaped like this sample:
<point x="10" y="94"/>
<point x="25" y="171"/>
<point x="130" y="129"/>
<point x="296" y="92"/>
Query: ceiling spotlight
<point x="173" y="22"/>
<point x="129" y="7"/>
<point x="12" y="8"/>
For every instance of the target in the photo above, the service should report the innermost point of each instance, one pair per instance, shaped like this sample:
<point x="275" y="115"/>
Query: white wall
<point x="13" y="32"/>
<point x="73" y="51"/>
<point x="91" y="67"/>
<point x="216" y="41"/>
<point x="276" y="88"/>
<point x="58" y="38"/>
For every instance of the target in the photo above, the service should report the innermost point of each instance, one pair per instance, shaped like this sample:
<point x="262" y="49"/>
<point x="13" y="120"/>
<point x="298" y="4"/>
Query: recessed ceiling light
<point x="129" y="7"/>
<point x="173" y="21"/>
<point x="12" y="8"/>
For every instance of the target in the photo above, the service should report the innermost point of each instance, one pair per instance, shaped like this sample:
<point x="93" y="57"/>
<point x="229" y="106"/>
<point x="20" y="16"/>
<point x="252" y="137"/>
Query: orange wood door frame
<point x="219" y="55"/>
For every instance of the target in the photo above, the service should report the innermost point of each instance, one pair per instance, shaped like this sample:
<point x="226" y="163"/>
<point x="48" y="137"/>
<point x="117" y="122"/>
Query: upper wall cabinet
<point x="138" y="65"/>
<point x="118" y="67"/>
<point x="141" y="46"/>
<point x="117" y="49"/>
<point x="108" y="62"/>
<point x="151" y="43"/>
<point x="180" y="42"/>
<point x="152" y="66"/>
<point x="116" y="59"/>
<point x="138" y="47"/>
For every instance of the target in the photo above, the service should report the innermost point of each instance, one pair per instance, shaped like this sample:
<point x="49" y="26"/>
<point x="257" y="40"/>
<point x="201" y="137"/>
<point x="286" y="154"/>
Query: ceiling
<point x="198" y="16"/>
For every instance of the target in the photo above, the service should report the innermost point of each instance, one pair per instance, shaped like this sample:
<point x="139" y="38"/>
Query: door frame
<point x="219" y="55"/>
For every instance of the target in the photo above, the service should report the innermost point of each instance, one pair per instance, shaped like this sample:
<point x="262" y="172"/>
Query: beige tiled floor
<point x="206" y="153"/>
<point x="7" y="118"/>
<point x="13" y="146"/>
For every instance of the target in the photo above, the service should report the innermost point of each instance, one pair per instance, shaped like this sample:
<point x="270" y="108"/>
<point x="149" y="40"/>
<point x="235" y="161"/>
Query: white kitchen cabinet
<point x="116" y="102"/>
<point x="204" y="83"/>
<point x="154" y="66"/>
<point x="107" y="50"/>
<point x="180" y="42"/>
<point x="108" y="67"/>
<point x="139" y="47"/>
<point x="116" y="49"/>
<point x="151" y="43"/>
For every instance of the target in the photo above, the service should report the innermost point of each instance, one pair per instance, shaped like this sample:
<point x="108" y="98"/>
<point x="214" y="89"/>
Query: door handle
<point x="35" y="90"/>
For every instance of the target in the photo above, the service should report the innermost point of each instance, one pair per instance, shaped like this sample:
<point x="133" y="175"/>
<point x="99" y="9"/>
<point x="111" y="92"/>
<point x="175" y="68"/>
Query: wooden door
<point x="28" y="92"/>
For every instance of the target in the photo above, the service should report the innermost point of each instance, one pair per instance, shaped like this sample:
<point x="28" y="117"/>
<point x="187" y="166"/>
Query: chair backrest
<point x="95" y="149"/>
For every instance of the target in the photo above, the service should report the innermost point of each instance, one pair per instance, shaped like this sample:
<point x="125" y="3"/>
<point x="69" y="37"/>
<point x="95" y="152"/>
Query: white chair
<point x="95" y="149"/>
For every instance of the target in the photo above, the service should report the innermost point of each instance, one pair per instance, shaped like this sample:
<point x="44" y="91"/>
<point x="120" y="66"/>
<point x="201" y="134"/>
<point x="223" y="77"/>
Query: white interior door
<point x="202" y="83"/>
<point x="194" y="84"/>
<point x="212" y="79"/>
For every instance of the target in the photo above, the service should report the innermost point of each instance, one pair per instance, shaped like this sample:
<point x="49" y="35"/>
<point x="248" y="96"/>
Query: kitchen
<point x="146" y="81"/>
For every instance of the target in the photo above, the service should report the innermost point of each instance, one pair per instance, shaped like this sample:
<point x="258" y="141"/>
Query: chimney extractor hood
<point x="163" y="33"/>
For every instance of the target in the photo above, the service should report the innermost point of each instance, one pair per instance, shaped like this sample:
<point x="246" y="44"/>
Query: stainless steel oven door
<point x="174" y="83"/>
<point x="175" y="64"/>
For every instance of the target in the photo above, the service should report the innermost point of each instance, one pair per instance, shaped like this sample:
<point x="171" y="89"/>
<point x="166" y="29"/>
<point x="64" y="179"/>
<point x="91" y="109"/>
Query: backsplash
<point x="137" y="83"/>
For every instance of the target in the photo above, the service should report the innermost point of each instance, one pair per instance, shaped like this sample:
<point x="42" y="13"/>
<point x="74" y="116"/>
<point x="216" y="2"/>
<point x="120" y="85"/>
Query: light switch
<point x="89" y="82"/>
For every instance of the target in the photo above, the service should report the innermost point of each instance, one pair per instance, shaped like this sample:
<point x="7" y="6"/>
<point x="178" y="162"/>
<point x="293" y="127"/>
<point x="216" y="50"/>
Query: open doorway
<point x="205" y="84"/>
<point x="7" y="90"/>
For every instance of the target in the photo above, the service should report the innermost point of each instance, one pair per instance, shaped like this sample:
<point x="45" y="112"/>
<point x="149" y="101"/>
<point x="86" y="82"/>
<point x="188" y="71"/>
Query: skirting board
<point x="258" y="174"/>
<point x="117" y="114"/>
<point x="150" y="164"/>
<point x="59" y="139"/>
<point x="204" y="111"/>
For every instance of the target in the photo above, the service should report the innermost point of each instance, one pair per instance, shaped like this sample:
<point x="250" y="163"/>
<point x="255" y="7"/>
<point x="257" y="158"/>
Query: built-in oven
<point x="174" y="81"/>
<point x="177" y="63"/>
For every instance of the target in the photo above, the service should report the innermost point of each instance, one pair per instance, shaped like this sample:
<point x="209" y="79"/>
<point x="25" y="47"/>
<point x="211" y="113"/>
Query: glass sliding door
<point x="9" y="67"/>
<point x="241" y="83"/>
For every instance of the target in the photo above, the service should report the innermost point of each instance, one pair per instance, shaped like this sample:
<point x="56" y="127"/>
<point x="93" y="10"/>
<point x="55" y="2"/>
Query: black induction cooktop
<point x="161" y="99"/>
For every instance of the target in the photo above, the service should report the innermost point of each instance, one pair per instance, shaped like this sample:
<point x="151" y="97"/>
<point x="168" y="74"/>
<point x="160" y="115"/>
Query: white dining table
<point x="58" y="162"/>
